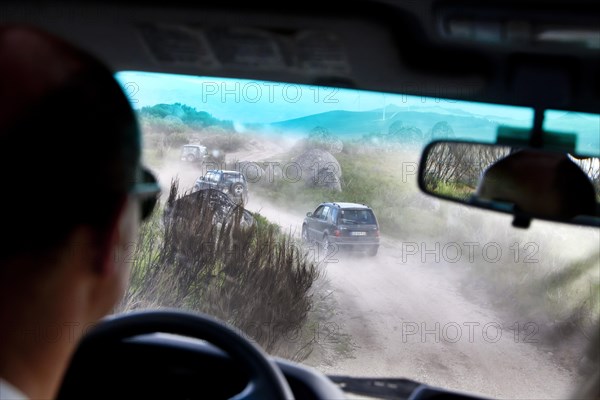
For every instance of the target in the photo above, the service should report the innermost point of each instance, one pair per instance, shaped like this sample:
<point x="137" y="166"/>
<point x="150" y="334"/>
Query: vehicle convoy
<point x="344" y="226"/>
<point x="232" y="183"/>
<point x="485" y="283"/>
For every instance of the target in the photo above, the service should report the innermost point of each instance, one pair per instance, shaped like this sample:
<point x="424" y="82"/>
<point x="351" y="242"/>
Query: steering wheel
<point x="266" y="380"/>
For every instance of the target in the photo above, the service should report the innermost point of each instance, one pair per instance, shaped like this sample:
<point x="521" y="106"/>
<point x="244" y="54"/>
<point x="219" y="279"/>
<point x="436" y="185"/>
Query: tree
<point x="441" y="130"/>
<point x="320" y="138"/>
<point x="460" y="163"/>
<point x="395" y="128"/>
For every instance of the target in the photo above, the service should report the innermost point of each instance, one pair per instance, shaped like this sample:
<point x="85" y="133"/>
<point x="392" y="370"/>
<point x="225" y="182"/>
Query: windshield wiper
<point x="382" y="388"/>
<point x="396" y="389"/>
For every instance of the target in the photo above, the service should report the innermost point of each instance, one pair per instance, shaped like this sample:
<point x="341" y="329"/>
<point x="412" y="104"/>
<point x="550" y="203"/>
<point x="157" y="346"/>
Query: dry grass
<point x="253" y="277"/>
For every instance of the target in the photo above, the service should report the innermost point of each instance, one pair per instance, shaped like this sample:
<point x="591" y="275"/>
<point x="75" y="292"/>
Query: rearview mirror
<point x="309" y="214"/>
<point x="528" y="183"/>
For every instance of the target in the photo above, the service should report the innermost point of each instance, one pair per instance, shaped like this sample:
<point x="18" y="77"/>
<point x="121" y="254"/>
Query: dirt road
<point x="406" y="318"/>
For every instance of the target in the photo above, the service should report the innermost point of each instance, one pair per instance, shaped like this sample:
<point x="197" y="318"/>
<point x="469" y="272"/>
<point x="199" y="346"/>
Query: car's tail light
<point x="377" y="232"/>
<point x="337" y="232"/>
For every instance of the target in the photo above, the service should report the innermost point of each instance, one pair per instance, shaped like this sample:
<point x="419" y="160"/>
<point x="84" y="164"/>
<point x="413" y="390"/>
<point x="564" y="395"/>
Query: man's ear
<point x="114" y="244"/>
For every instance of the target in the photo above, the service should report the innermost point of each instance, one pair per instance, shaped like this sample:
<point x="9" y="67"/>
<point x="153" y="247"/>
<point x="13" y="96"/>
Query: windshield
<point x="442" y="294"/>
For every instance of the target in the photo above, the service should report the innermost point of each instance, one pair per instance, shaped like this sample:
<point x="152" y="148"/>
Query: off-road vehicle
<point x="348" y="226"/>
<point x="232" y="183"/>
<point x="193" y="153"/>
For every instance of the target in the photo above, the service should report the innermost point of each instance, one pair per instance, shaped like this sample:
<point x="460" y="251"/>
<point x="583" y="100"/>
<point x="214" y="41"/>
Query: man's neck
<point x="39" y="334"/>
<point x="35" y="354"/>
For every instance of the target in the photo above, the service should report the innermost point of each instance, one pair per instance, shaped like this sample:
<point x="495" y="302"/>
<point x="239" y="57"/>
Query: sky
<point x="247" y="101"/>
<point x="265" y="102"/>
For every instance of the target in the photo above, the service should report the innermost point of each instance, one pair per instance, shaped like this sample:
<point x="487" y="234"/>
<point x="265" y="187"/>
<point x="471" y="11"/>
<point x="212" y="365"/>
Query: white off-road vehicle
<point x="193" y="153"/>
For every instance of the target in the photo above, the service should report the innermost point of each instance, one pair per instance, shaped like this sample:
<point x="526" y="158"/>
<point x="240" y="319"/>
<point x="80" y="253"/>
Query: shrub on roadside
<point x="255" y="278"/>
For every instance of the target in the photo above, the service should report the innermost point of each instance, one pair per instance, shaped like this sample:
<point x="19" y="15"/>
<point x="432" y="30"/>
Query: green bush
<point x="453" y="190"/>
<point x="177" y="140"/>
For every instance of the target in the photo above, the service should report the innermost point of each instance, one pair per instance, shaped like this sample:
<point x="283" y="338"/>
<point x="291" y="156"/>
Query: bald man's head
<point x="68" y="136"/>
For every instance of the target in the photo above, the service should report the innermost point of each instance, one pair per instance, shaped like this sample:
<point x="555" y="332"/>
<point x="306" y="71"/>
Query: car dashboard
<point x="165" y="366"/>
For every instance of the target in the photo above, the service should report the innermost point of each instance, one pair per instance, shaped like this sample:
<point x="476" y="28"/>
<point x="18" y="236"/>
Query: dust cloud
<point x="409" y="318"/>
<point x="458" y="308"/>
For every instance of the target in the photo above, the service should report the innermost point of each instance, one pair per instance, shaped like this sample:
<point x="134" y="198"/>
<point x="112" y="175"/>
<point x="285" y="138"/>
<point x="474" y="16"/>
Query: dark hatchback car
<point x="232" y="183"/>
<point x="348" y="226"/>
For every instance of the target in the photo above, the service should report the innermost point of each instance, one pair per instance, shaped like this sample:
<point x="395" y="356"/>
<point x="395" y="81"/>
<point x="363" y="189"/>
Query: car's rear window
<point x="355" y="217"/>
